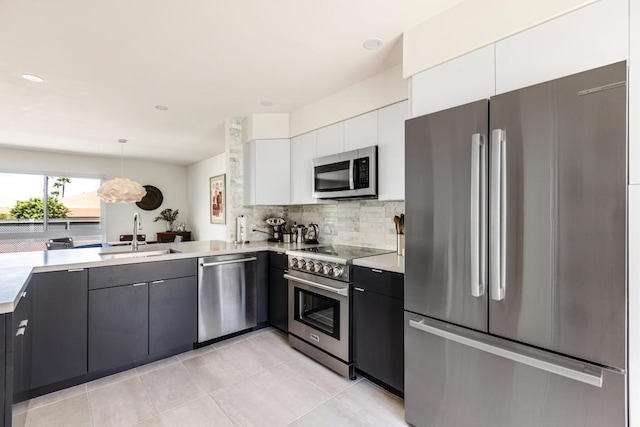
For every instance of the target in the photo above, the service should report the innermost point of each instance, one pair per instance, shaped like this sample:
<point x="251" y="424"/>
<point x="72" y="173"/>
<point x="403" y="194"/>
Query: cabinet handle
<point x="158" y="281"/>
<point x="140" y="284"/>
<point x="20" y="332"/>
<point x="73" y="270"/>
<point x="358" y="289"/>
<point x="375" y="270"/>
<point x="280" y="253"/>
<point x="24" y="294"/>
<point x="24" y="323"/>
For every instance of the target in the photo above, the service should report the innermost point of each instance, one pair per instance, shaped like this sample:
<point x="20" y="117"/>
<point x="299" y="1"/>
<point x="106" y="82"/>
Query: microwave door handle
<point x="352" y="171"/>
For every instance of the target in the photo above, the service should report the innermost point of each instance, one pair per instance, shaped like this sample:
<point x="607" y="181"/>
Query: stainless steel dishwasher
<point x="227" y="300"/>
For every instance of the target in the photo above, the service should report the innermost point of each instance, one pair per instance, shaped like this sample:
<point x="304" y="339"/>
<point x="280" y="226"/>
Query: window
<point x="35" y="208"/>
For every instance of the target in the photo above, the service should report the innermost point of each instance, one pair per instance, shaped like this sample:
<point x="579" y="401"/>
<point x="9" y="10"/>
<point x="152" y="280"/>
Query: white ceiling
<point x="106" y="64"/>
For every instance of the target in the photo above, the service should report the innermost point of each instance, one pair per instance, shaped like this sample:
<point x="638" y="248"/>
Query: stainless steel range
<point x="319" y="304"/>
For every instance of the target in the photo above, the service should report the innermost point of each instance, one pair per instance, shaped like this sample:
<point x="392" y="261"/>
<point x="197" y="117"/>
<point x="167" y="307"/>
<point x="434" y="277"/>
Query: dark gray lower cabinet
<point x="173" y="314"/>
<point x="21" y="338"/>
<point x="118" y="326"/>
<point x="6" y="368"/>
<point x="263" y="287"/>
<point x="378" y="325"/>
<point x="278" y="292"/>
<point x="58" y="326"/>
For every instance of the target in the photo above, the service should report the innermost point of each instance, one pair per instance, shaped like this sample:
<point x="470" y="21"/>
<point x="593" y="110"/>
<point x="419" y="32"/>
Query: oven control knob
<point x="337" y="271"/>
<point x="301" y="264"/>
<point x="293" y="262"/>
<point x="317" y="267"/>
<point x="310" y="265"/>
<point x="327" y="269"/>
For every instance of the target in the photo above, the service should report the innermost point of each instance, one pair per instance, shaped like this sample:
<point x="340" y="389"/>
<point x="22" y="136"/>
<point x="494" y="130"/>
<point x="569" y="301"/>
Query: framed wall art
<point x="217" y="202"/>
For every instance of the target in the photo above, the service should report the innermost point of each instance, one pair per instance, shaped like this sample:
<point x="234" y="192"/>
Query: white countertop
<point x="16" y="267"/>
<point x="388" y="262"/>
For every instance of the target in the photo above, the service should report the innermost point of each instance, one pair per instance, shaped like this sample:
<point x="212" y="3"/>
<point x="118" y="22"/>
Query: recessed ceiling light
<point x="161" y="107"/>
<point x="373" y="44"/>
<point x="32" y="78"/>
<point x="266" y="103"/>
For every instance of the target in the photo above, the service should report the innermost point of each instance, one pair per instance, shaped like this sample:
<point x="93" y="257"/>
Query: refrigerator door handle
<point x="478" y="208"/>
<point x="497" y="215"/>
<point x="591" y="375"/>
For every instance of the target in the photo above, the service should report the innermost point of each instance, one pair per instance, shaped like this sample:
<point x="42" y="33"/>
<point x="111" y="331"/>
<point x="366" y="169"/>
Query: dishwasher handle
<point x="231" y="261"/>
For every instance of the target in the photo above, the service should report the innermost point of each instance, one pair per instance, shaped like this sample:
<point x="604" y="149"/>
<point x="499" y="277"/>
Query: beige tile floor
<point x="252" y="380"/>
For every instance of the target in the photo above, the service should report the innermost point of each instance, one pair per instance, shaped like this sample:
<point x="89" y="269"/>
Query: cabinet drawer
<point x="383" y="282"/>
<point x="118" y="275"/>
<point x="278" y="260"/>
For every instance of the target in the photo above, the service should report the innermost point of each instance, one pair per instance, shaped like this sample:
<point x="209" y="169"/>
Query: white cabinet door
<point x="272" y="171"/>
<point x="303" y="151"/>
<point x="460" y="81"/>
<point x="265" y="171"/>
<point x="634" y="114"/>
<point x="249" y="173"/>
<point x="361" y="131"/>
<point x="634" y="304"/>
<point x="391" y="151"/>
<point x="330" y="139"/>
<point x="587" y="38"/>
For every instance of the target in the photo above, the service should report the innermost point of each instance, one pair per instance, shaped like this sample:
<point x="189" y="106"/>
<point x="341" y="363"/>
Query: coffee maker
<point x="276" y="223"/>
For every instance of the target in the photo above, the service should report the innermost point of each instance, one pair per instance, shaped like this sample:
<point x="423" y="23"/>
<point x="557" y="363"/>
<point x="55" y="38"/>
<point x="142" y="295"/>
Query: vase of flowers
<point x="168" y="215"/>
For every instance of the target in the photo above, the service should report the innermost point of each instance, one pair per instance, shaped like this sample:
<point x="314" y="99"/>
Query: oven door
<point x="319" y="313"/>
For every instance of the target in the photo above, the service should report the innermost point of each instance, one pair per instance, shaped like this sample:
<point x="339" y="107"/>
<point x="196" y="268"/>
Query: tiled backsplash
<point x="366" y="223"/>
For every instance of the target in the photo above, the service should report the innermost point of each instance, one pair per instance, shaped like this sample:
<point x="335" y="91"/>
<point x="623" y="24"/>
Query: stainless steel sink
<point x="137" y="254"/>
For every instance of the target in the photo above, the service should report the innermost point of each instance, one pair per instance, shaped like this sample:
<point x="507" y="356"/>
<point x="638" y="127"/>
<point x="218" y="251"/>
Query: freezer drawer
<point x="457" y="377"/>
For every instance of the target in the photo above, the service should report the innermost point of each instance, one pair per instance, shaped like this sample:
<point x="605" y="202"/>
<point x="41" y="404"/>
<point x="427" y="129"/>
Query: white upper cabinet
<point x="303" y="151"/>
<point x="330" y="139"/>
<point x="587" y="38"/>
<point x="391" y="151"/>
<point x="249" y="173"/>
<point x="460" y="81"/>
<point x="361" y="131"/>
<point x="634" y="109"/>
<point x="266" y="172"/>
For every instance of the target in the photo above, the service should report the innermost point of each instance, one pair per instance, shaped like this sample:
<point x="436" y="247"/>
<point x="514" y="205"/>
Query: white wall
<point x="170" y="179"/>
<point x="385" y="88"/>
<point x="471" y="25"/>
<point x="198" y="175"/>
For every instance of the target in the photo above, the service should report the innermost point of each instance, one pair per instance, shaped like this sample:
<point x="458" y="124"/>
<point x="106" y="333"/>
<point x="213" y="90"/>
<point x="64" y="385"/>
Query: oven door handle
<point x="344" y="291"/>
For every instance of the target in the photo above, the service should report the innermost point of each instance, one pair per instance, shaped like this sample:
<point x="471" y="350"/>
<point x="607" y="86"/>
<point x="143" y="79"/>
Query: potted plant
<point x="168" y="215"/>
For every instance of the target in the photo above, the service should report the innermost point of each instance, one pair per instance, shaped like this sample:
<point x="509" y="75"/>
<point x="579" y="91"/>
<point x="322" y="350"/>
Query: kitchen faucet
<point x="136" y="225"/>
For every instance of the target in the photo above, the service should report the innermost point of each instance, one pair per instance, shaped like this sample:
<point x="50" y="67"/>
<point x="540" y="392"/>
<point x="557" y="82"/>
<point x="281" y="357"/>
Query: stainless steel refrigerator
<point x="515" y="284"/>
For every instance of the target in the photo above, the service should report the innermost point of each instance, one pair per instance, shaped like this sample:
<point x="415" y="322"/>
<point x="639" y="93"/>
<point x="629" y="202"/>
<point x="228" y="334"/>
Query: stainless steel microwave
<point x="347" y="175"/>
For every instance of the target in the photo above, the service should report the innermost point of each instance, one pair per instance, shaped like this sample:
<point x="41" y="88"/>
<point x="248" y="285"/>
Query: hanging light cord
<point x="122" y="142"/>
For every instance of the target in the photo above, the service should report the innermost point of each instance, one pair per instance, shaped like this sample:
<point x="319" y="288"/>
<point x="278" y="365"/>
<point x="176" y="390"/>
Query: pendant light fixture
<point x="121" y="190"/>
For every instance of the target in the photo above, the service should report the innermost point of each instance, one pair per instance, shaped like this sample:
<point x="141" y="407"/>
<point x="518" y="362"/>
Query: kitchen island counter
<point x="16" y="268"/>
